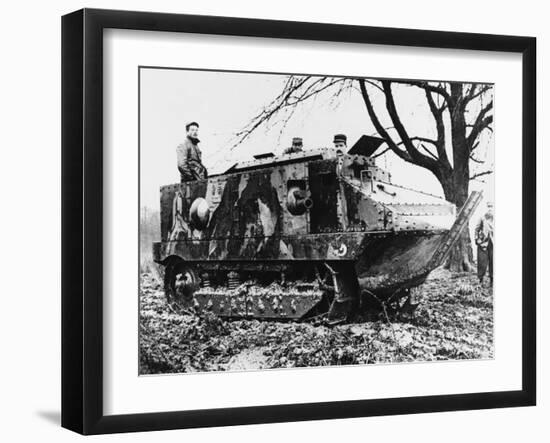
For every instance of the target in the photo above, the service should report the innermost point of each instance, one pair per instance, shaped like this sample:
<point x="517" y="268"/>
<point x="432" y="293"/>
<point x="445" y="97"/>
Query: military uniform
<point x="190" y="161"/>
<point x="484" y="242"/>
<point x="297" y="146"/>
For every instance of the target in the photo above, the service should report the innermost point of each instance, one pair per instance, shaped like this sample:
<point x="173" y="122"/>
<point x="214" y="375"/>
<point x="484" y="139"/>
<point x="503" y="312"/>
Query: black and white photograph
<point x="289" y="220"/>
<point x="266" y="222"/>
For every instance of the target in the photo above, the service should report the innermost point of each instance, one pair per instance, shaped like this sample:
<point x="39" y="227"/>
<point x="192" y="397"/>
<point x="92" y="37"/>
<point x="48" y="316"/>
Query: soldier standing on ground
<point x="484" y="242"/>
<point x="190" y="156"/>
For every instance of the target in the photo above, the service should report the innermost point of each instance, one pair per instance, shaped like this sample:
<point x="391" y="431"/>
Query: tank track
<point x="248" y="300"/>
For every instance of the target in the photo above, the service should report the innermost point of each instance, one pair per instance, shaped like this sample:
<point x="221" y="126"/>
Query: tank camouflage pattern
<point x="299" y="234"/>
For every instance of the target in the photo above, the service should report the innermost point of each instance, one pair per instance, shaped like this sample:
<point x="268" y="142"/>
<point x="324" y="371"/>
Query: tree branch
<point x="480" y="174"/>
<point x="377" y="86"/>
<point x="430" y="87"/>
<point x="481" y="122"/>
<point x="297" y="89"/>
<point x="423" y="139"/>
<point x="426" y="140"/>
<point x="437" y="113"/>
<point x="472" y="94"/>
<point x="417" y="157"/>
<point x="381" y="153"/>
<point x="378" y="126"/>
<point x="429" y="152"/>
<point x="476" y="160"/>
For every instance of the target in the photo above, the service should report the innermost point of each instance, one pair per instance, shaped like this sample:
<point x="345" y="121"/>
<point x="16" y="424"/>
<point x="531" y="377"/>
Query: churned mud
<point x="454" y="321"/>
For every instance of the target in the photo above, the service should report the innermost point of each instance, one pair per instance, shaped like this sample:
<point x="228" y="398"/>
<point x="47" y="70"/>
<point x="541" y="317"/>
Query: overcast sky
<point x="224" y="102"/>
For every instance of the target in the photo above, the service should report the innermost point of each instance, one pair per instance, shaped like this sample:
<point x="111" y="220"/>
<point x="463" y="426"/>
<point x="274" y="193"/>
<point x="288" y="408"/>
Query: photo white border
<point x="125" y="392"/>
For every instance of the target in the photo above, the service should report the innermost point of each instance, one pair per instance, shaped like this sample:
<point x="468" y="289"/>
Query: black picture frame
<point x="82" y="220"/>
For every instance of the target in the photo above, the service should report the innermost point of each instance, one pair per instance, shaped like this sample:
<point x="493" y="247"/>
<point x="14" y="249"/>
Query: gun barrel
<point x="297" y="202"/>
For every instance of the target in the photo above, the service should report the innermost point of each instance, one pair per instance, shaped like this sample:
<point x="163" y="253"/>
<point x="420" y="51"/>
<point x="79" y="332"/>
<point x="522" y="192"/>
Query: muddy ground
<point x="453" y="321"/>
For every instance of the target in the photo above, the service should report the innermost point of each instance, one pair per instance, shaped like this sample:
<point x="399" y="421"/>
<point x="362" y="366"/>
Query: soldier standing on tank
<point x="297" y="146"/>
<point x="484" y="242"/>
<point x="340" y="142"/>
<point x="190" y="156"/>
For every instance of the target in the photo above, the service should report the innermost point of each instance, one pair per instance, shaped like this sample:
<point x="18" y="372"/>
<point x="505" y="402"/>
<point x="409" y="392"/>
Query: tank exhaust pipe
<point x="297" y="202"/>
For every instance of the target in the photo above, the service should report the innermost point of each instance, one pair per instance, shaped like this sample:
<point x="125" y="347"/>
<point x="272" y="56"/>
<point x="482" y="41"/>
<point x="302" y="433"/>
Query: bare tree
<point x="460" y="113"/>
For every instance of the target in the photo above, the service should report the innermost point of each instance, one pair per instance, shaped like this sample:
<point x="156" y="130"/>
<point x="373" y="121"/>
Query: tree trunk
<point x="456" y="184"/>
<point x="461" y="257"/>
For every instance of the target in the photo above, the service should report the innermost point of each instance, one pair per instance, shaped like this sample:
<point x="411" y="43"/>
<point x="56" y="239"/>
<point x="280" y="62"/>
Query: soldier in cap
<point x="484" y="242"/>
<point x="190" y="156"/>
<point x="340" y="142"/>
<point x="297" y="146"/>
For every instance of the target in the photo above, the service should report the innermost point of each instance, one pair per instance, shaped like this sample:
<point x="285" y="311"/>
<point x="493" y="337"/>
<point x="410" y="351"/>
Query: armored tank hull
<point x="301" y="234"/>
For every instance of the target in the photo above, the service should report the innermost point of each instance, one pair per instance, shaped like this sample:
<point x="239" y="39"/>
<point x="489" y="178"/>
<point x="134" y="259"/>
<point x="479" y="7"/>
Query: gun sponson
<point x="298" y="202"/>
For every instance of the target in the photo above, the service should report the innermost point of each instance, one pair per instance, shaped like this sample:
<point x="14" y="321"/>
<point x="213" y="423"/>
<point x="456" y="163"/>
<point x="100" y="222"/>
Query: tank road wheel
<point x="180" y="282"/>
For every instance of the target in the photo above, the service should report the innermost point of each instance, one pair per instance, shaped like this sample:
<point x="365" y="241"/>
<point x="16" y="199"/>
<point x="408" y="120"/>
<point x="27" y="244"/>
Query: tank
<point x="317" y="232"/>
